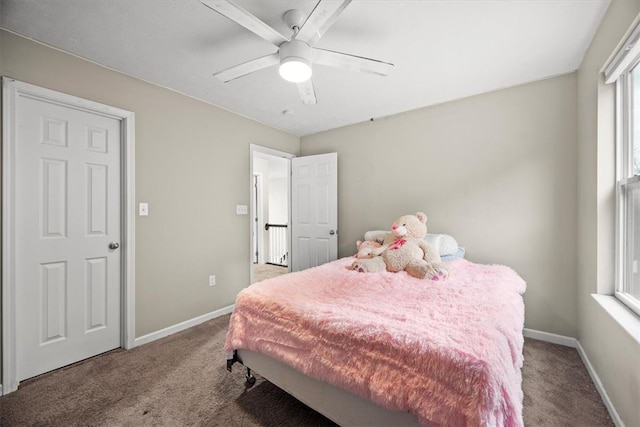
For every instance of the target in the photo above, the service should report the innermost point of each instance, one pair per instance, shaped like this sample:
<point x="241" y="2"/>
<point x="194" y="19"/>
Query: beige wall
<point x="497" y="171"/>
<point x="192" y="167"/>
<point x="614" y="354"/>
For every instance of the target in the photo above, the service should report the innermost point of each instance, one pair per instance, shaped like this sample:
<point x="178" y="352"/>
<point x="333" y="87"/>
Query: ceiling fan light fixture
<point x="295" y="70"/>
<point x="295" y="61"/>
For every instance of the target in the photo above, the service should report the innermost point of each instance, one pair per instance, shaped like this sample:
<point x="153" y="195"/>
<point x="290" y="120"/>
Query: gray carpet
<point x="182" y="380"/>
<point x="267" y="271"/>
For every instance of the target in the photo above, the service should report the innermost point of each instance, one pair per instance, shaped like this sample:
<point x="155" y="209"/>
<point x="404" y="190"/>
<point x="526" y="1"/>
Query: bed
<point x="386" y="348"/>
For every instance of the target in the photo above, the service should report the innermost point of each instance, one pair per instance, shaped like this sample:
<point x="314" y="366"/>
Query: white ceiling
<point x="442" y="50"/>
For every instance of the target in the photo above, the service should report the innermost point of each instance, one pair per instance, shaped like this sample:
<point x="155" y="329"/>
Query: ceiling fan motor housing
<point x="295" y="61"/>
<point x="294" y="19"/>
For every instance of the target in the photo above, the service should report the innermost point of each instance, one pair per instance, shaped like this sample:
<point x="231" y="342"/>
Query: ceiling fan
<point x="295" y="54"/>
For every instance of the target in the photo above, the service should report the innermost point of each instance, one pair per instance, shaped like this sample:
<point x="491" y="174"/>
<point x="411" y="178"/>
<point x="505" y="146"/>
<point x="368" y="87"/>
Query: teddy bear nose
<point x="395" y="227"/>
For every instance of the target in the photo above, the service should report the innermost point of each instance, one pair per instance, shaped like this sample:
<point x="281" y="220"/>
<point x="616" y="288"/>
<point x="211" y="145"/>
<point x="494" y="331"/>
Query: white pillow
<point x="443" y="243"/>
<point x="376" y="235"/>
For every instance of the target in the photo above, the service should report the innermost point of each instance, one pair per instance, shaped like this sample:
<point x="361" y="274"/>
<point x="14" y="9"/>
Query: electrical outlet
<point x="212" y="280"/>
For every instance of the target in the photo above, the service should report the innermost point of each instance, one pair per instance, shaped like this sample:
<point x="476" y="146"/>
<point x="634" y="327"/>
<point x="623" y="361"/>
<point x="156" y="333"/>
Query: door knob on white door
<point x="332" y="232"/>
<point x="114" y="245"/>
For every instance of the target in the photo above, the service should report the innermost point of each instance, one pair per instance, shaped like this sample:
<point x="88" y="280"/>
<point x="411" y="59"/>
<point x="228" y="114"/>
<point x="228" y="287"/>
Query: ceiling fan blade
<point x="352" y="62"/>
<point x="247" y="20"/>
<point x="248" y="67"/>
<point x="307" y="93"/>
<point x="320" y="20"/>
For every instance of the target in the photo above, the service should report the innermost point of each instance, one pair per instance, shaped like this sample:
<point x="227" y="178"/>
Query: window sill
<point x="626" y="318"/>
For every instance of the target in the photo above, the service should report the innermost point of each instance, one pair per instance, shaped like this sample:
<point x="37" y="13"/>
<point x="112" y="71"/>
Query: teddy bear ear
<point x="358" y="243"/>
<point x="422" y="217"/>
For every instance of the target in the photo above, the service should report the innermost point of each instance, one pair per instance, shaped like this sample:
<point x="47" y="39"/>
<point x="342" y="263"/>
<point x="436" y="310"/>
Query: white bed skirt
<point x="338" y="405"/>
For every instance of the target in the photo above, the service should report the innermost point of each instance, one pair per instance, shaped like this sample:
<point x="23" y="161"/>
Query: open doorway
<point x="270" y="232"/>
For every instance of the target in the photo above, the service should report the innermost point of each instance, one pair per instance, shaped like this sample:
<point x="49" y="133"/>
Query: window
<point x="624" y="72"/>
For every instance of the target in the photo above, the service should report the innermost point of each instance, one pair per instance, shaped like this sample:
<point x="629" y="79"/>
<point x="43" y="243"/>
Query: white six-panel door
<point x="67" y="215"/>
<point x="314" y="210"/>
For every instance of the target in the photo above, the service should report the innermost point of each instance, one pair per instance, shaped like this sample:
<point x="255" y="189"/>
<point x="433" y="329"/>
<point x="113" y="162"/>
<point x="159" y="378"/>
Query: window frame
<point x="626" y="180"/>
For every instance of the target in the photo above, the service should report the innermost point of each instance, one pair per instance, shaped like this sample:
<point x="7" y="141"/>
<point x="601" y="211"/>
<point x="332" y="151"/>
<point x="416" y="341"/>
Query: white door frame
<point x="11" y="91"/>
<point x="253" y="148"/>
<point x="258" y="243"/>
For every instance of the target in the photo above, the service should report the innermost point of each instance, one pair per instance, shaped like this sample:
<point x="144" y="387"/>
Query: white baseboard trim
<point x="574" y="343"/>
<point x="182" y="326"/>
<point x="549" y="337"/>
<point x="615" y="417"/>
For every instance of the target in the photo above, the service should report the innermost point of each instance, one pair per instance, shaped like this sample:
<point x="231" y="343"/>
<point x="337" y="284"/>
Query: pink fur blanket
<point x="449" y="352"/>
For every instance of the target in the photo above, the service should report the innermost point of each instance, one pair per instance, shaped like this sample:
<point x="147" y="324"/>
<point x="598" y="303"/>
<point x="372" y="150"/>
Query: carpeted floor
<point x="266" y="271"/>
<point x="182" y="380"/>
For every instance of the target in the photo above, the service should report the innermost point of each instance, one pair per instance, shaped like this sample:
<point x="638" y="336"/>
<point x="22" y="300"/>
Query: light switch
<point x="241" y="210"/>
<point x="143" y="209"/>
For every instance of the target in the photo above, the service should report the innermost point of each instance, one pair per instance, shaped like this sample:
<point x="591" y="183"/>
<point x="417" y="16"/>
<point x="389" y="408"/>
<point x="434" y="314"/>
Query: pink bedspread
<point x="449" y="352"/>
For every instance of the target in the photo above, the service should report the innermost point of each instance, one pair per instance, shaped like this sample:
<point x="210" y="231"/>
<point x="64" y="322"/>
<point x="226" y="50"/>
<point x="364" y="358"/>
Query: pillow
<point x="459" y="254"/>
<point x="443" y="243"/>
<point x="376" y="235"/>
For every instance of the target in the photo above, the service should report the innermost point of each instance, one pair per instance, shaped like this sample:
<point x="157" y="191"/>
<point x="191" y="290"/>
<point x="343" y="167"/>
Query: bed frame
<point x="340" y="406"/>
<point x="475" y="382"/>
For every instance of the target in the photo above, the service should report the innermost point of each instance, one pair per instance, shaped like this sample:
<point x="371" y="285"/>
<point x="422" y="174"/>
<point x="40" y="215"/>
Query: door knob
<point x="332" y="232"/>
<point x="114" y="245"/>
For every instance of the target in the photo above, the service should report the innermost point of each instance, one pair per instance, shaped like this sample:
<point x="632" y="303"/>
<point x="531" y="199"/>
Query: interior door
<point x="67" y="228"/>
<point x="314" y="210"/>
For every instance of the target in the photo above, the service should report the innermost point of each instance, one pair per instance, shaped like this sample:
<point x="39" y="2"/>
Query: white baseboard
<point x="615" y="417"/>
<point x="574" y="343"/>
<point x="182" y="326"/>
<point x="549" y="337"/>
